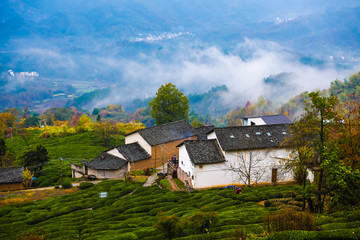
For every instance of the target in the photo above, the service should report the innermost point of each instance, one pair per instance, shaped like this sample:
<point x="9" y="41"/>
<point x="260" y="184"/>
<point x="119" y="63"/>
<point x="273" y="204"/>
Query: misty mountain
<point x="139" y="45"/>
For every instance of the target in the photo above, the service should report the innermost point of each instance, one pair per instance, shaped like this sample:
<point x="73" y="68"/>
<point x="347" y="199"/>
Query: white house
<point x="241" y="155"/>
<point x="266" y="120"/>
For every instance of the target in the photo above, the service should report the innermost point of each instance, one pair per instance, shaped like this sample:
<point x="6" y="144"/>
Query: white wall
<point x="257" y="121"/>
<point x="116" y="153"/>
<point x="211" y="175"/>
<point x="220" y="174"/>
<point x="268" y="159"/>
<point x="112" y="174"/>
<point x="184" y="161"/>
<point x="136" y="137"/>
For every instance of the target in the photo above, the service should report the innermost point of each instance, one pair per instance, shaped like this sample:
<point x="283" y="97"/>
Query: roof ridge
<point x="254" y="126"/>
<point x="164" y="124"/>
<point x="280" y="114"/>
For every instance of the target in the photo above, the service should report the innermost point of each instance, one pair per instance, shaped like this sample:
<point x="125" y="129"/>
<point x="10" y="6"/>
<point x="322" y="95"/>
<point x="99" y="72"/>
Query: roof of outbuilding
<point x="166" y="132"/>
<point x="133" y="152"/>
<point x="251" y="137"/>
<point x="201" y="132"/>
<point x="273" y="119"/>
<point x="11" y="174"/>
<point x="106" y="161"/>
<point x="203" y="151"/>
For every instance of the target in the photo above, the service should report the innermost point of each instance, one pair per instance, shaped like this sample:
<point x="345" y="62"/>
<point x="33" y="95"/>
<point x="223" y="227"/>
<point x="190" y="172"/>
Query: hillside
<point x="82" y="215"/>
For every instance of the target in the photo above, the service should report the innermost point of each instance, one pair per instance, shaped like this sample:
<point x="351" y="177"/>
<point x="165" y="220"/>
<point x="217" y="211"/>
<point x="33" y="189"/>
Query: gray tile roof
<point x="133" y="152"/>
<point x="201" y="132"/>
<point x="106" y="161"/>
<point x="203" y="151"/>
<point x="273" y="119"/>
<point x="166" y="132"/>
<point x="11" y="174"/>
<point x="251" y="137"/>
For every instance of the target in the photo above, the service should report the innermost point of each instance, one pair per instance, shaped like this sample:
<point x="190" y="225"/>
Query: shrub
<point x="267" y="203"/>
<point x="85" y="185"/>
<point x="66" y="184"/>
<point x="32" y="234"/>
<point x="169" y="225"/>
<point x="164" y="183"/>
<point x="201" y="222"/>
<point x="290" y="220"/>
<point x="179" y="183"/>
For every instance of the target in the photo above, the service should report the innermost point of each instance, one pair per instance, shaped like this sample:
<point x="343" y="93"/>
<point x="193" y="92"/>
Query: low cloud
<point x="197" y="70"/>
<point x="192" y="69"/>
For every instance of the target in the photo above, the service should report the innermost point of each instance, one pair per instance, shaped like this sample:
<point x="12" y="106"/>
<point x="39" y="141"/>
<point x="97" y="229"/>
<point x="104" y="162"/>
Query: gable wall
<point x="136" y="137"/>
<point x="160" y="155"/>
<point x="113" y="174"/>
<point x="116" y="153"/>
<point x="257" y="121"/>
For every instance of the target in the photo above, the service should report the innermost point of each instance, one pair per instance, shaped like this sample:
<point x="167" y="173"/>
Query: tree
<point x="107" y="131"/>
<point x="250" y="166"/>
<point x="320" y="112"/>
<point x="6" y="120"/>
<point x="32" y="121"/>
<point x="2" y="147"/>
<point x="25" y="135"/>
<point x="301" y="153"/>
<point x="27" y="176"/>
<point x="310" y="138"/>
<point x="169" y="105"/>
<point x="35" y="159"/>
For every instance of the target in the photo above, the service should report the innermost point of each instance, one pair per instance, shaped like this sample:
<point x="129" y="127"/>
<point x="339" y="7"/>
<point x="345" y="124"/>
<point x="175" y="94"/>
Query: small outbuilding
<point x="11" y="178"/>
<point x="103" y="166"/>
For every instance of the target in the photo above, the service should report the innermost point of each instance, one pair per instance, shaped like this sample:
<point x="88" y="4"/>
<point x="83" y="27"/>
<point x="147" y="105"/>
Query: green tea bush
<point x="169" y="225"/>
<point x="344" y="225"/>
<point x="32" y="234"/>
<point x="201" y="222"/>
<point x="66" y="183"/>
<point x="343" y="234"/>
<point x="85" y="185"/>
<point x="353" y="216"/>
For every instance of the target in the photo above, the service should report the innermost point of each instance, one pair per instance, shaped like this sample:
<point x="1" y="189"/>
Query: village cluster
<point x="201" y="157"/>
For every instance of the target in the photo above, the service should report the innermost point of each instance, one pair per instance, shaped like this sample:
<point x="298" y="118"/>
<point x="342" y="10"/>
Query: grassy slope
<point x="133" y="216"/>
<point x="73" y="148"/>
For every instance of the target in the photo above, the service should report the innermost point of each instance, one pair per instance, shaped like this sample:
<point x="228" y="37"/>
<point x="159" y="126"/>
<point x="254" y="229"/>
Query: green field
<point x="73" y="148"/>
<point x="83" y="215"/>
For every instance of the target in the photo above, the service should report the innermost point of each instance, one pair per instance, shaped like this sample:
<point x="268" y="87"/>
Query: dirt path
<point x="150" y="180"/>
<point x="48" y="188"/>
<point x="173" y="185"/>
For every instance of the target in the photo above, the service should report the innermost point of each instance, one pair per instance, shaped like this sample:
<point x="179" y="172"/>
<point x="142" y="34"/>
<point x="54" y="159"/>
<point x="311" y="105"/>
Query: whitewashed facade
<point x="266" y="164"/>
